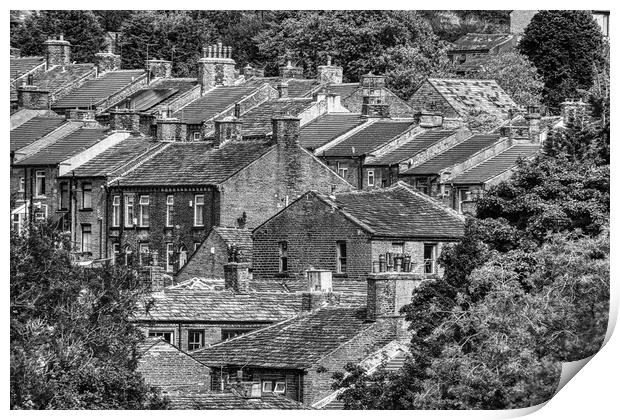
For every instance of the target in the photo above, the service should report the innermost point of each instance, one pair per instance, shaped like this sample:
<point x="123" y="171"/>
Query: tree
<point x="564" y="45"/>
<point x="112" y="20"/>
<point x="399" y="44"/>
<point x="168" y="35"/>
<point x="80" y="27"/>
<point x="450" y="25"/>
<point x="72" y="344"/>
<point x="515" y="74"/>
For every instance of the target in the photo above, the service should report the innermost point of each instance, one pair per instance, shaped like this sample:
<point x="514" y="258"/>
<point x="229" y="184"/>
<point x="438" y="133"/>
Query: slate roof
<point x="399" y="211"/>
<point x="326" y="128"/>
<point x="352" y="293"/>
<point x="479" y="42"/>
<point x="496" y="165"/>
<point x="297" y="88"/>
<point x="220" y="306"/>
<point x="117" y="157"/>
<point x="195" y="163"/>
<point x="296" y="343"/>
<point x="369" y="138"/>
<point x="97" y="89"/>
<point x="57" y="77"/>
<point x="212" y="103"/>
<point x="230" y="401"/>
<point x="344" y="90"/>
<point x="467" y="94"/>
<point x="23" y="65"/>
<point x="242" y="238"/>
<point x="257" y="121"/>
<point x="412" y="147"/>
<point x="32" y="130"/>
<point x="66" y="147"/>
<point x="455" y="155"/>
<point x="159" y="93"/>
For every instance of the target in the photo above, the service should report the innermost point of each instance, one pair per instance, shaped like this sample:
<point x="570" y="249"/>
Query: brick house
<point x="456" y="98"/>
<point x="175" y="197"/>
<point x="350" y="233"/>
<point x="209" y="259"/>
<point x="292" y="358"/>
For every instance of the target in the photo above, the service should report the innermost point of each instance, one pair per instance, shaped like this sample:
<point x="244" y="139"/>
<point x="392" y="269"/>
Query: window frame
<point x="169" y="257"/>
<point x="141" y="247"/>
<point x="344" y="170"/>
<point x="340" y="245"/>
<point x="192" y="344"/>
<point x="116" y="252"/>
<point x="196" y="205"/>
<point x="432" y="260"/>
<point x="183" y="253"/>
<point x="83" y="242"/>
<point x="63" y="195"/>
<point x="169" y="210"/>
<point x="129" y="203"/>
<point x="196" y="135"/>
<point x="144" y="202"/>
<point x="162" y="333"/>
<point x="127" y="255"/>
<point x="116" y="210"/>
<point x="87" y="192"/>
<point x="370" y="173"/>
<point x="22" y="185"/>
<point x="283" y="256"/>
<point x="38" y="177"/>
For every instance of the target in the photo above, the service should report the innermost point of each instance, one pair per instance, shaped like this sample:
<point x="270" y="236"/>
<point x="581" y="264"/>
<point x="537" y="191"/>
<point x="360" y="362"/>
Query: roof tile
<point x="326" y="128"/>
<point x="33" y="130"/>
<point x="369" y="138"/>
<point x="412" y="147"/>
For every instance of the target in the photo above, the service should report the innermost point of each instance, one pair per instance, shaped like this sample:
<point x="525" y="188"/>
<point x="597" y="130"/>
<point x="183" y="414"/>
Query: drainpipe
<point x="73" y="207"/>
<point x="105" y="213"/>
<point x="361" y="172"/>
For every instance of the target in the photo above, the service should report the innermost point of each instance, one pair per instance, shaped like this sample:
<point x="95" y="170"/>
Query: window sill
<point x="39" y="197"/>
<point x="88" y="209"/>
<point x="340" y="275"/>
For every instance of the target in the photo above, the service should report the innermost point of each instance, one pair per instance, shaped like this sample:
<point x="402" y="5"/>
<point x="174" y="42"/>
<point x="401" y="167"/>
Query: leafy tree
<point x="169" y="35"/>
<point x="515" y="74"/>
<point x="80" y="27"/>
<point x="72" y="345"/>
<point x="398" y="43"/>
<point x="112" y="20"/>
<point x="565" y="46"/>
<point x="450" y="25"/>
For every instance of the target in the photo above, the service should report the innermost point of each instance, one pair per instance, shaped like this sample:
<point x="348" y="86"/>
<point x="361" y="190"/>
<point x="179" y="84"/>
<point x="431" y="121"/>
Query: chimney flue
<point x="285" y="130"/>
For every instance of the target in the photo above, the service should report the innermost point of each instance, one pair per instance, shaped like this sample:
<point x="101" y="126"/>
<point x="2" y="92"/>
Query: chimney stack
<point x="159" y="68"/>
<point x="171" y="129"/>
<point x="430" y="119"/>
<point x="329" y="73"/>
<point x="373" y="97"/>
<point x="31" y="97"/>
<point x="216" y="67"/>
<point x="291" y="72"/>
<point x="319" y="292"/>
<point x="125" y="120"/>
<point x="58" y="52"/>
<point x="107" y="61"/>
<point x="285" y="130"/>
<point x="388" y="292"/>
<point x="282" y="89"/>
<point x="227" y="129"/>
<point x="237" y="277"/>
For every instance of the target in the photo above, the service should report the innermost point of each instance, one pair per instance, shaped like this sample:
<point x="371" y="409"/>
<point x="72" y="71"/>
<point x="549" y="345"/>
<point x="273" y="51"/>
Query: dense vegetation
<point x="72" y="345"/>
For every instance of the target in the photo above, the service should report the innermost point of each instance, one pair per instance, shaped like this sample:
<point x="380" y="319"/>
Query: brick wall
<point x="157" y="235"/>
<point x="311" y="229"/>
<point x="279" y="177"/>
<point x="318" y="379"/>
<point x="94" y="216"/>
<point x="165" y="366"/>
<point x="427" y="98"/>
<point x="415" y="249"/>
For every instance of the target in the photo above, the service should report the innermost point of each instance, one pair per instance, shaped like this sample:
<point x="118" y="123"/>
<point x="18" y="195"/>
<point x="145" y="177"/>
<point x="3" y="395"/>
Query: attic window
<point x="273" y="386"/>
<point x="167" y="335"/>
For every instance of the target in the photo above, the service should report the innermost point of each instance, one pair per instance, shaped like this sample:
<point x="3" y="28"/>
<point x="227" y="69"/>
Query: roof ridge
<point x="138" y="164"/>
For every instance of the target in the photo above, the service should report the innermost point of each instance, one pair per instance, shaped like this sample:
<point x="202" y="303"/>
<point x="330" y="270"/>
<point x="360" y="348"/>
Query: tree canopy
<point x="72" y="343"/>
<point x="566" y="46"/>
<point x="80" y="27"/>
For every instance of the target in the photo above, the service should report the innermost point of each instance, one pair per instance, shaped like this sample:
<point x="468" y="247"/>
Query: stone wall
<point x="426" y="98"/>
<point x="31" y="97"/>
<point x="208" y="260"/>
<point x="398" y="108"/>
<point x="107" y="62"/>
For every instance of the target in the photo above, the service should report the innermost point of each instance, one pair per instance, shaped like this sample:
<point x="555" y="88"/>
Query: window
<point x="40" y="183"/>
<point x="168" y="335"/>
<point x="18" y="222"/>
<point x="116" y="211"/>
<point x="87" y="194"/>
<point x="196" y="135"/>
<point x="341" y="257"/>
<point x="196" y="246"/>
<point x="398" y="248"/>
<point x="267" y="386"/>
<point x="342" y="171"/>
<point x="283" y="256"/>
<point x="430" y="250"/>
<point x="144" y="254"/>
<point x="280" y="388"/>
<point x="195" y="339"/>
<point x="64" y="196"/>
<point x="169" y="208"/>
<point x="86" y="238"/>
<point x="144" y="211"/>
<point x="228" y="334"/>
<point x="182" y="256"/>
<point x="128" y="255"/>
<point x="169" y="257"/>
<point x="199" y="204"/>
<point x="129" y="210"/>
<point x="22" y="184"/>
<point x="274" y="386"/>
<point x="116" y="252"/>
<point x="371" y="178"/>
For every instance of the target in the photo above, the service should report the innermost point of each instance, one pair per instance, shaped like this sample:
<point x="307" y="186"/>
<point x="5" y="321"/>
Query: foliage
<point x="450" y="25"/>
<point x="72" y="345"/>
<point x="167" y="35"/>
<point x="112" y="20"/>
<point x="398" y="43"/>
<point x="479" y="121"/>
<point x="515" y="74"/>
<point x="565" y="46"/>
<point x="80" y="27"/>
